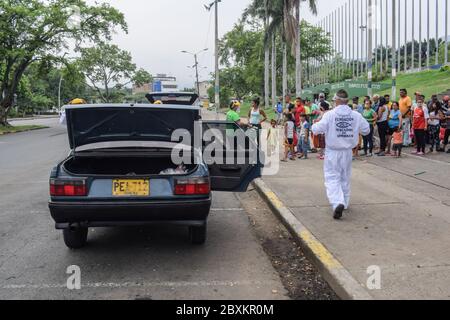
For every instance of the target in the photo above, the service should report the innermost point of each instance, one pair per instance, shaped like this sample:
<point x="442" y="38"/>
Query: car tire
<point x="75" y="238"/>
<point x="197" y="234"/>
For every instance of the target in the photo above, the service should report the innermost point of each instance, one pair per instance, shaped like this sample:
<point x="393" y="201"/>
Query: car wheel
<point x="75" y="238"/>
<point x="197" y="235"/>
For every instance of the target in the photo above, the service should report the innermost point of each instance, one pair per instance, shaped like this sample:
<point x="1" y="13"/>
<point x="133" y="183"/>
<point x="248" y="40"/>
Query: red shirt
<point x="419" y="121"/>
<point x="298" y="112"/>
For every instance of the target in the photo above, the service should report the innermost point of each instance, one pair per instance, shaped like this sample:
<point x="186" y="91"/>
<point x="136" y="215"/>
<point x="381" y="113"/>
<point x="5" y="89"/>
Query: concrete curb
<point x="340" y="280"/>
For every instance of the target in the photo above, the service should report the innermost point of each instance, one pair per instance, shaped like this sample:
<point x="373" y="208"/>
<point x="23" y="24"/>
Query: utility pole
<point x="216" y="54"/>
<point x="394" y="55"/>
<point x="369" y="54"/>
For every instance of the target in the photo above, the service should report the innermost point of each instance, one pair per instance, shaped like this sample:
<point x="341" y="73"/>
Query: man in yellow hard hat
<point x="76" y="101"/>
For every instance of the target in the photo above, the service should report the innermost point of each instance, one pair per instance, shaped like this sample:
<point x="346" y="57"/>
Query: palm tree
<point x="260" y="9"/>
<point x="294" y="6"/>
<point x="273" y="14"/>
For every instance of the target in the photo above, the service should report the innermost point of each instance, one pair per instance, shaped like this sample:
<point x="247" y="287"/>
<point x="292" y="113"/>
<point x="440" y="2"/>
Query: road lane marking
<point x="227" y="209"/>
<point x="168" y="284"/>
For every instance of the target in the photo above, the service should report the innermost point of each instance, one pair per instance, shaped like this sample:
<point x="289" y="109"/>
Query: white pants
<point x="338" y="172"/>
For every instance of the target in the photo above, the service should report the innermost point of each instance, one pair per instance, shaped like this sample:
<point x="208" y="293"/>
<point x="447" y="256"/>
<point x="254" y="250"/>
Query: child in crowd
<point x="303" y="142"/>
<point x="289" y="134"/>
<point x="272" y="138"/>
<point x="397" y="138"/>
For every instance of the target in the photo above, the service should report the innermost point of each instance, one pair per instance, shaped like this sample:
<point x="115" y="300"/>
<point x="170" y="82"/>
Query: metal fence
<point x="378" y="38"/>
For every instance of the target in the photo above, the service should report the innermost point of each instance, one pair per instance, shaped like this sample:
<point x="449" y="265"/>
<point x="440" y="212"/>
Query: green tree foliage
<point x="107" y="66"/>
<point x="242" y="54"/>
<point x="34" y="30"/>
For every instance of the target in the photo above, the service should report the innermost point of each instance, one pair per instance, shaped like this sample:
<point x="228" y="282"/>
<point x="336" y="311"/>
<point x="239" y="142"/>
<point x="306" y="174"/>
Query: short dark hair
<point x="387" y="95"/>
<point x="342" y="94"/>
<point x="404" y="90"/>
<point x="325" y="106"/>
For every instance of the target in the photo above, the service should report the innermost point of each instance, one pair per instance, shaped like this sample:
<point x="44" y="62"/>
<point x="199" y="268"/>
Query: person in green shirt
<point x="371" y="116"/>
<point x="233" y="114"/>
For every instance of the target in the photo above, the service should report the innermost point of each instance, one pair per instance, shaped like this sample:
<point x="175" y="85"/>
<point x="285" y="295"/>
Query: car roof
<point x="132" y="105"/>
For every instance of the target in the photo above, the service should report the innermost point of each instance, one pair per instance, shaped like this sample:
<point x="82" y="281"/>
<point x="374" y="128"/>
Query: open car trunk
<point x="126" y="166"/>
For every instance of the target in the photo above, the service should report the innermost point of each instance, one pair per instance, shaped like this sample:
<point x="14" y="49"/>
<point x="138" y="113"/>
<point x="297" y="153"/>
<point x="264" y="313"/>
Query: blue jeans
<point x="303" y="146"/>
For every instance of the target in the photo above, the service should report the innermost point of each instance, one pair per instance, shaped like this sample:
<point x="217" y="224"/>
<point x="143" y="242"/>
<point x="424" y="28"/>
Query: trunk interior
<point x="123" y="166"/>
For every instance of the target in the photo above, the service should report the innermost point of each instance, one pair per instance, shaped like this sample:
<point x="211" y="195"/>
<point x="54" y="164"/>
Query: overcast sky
<point x="160" y="29"/>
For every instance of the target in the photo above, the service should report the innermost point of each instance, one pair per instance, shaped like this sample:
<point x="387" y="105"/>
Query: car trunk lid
<point x="89" y="124"/>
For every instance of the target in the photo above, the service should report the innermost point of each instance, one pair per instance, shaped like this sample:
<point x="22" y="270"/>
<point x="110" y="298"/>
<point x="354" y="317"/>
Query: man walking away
<point x="342" y="127"/>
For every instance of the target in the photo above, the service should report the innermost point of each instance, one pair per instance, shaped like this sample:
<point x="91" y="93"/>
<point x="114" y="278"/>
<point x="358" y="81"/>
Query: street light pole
<point x="196" y="66"/>
<point x="60" y="84"/>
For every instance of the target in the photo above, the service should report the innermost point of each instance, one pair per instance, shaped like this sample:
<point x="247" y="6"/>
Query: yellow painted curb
<point x="339" y="278"/>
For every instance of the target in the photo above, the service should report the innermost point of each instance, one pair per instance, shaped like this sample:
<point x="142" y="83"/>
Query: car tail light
<point x="68" y="188"/>
<point x="196" y="186"/>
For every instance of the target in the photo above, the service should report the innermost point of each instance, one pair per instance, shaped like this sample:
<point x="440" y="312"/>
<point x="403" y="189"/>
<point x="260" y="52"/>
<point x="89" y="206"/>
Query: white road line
<point x="227" y="209"/>
<point x="168" y="284"/>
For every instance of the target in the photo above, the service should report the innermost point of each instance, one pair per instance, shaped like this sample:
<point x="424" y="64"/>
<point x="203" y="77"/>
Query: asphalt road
<point x="118" y="263"/>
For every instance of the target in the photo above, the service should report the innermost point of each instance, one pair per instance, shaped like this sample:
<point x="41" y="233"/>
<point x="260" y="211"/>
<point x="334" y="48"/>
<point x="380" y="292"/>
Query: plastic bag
<point x="180" y="170"/>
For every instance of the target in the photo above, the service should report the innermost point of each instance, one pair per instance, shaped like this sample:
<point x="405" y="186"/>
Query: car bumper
<point x="104" y="214"/>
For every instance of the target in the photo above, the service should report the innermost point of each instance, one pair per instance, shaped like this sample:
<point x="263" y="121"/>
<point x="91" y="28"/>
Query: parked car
<point x="120" y="170"/>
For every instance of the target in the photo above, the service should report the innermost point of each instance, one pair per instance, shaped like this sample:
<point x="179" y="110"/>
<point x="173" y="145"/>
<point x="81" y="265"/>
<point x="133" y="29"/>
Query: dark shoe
<point x="381" y="154"/>
<point x="338" y="212"/>
<point x="448" y="151"/>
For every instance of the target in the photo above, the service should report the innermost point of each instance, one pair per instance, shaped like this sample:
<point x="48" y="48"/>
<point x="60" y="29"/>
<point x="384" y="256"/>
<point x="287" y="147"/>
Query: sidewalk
<point x="399" y="220"/>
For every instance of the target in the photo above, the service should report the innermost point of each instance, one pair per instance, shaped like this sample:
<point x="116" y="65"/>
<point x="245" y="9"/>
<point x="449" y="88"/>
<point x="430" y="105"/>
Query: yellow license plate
<point x="134" y="188"/>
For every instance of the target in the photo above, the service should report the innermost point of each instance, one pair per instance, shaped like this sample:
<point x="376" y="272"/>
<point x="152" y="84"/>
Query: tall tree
<point x="31" y="30"/>
<point x="106" y="65"/>
<point x="294" y="6"/>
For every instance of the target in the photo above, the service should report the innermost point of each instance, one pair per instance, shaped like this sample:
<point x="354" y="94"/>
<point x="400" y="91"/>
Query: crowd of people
<point x="394" y="125"/>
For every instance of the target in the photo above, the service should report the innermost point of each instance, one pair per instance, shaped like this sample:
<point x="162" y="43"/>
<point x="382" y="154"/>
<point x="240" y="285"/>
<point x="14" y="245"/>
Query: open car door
<point x="233" y="157"/>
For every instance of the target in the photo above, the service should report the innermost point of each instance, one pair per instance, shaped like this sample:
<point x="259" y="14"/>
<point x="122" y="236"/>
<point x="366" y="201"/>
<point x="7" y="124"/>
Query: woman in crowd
<point x="382" y="124"/>
<point x="371" y="116"/>
<point x="420" y="126"/>
<point x="434" y="126"/>
<point x="394" y="124"/>
<point x="256" y="115"/>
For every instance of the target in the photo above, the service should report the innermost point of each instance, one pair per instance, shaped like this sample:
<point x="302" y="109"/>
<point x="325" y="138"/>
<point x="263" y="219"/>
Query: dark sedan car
<point x="121" y="172"/>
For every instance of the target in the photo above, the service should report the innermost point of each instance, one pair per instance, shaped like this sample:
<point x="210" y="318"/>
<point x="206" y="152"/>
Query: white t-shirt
<point x="433" y="122"/>
<point x="290" y="129"/>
